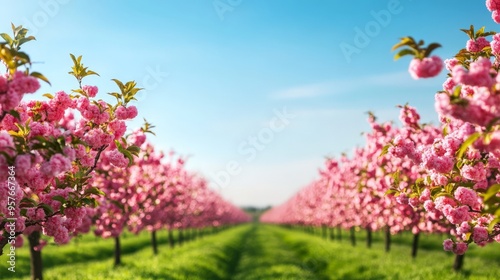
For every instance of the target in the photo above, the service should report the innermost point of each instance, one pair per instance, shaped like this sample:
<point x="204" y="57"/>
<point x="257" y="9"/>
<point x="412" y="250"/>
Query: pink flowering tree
<point x="462" y="164"/>
<point x="49" y="151"/>
<point x="423" y="65"/>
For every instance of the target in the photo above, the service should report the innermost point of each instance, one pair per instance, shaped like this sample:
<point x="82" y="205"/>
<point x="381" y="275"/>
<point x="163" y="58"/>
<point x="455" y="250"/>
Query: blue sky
<point x="258" y="92"/>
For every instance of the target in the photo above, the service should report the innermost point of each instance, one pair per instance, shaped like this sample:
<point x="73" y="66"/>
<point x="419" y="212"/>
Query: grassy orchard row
<point x="421" y="177"/>
<point x="76" y="169"/>
<point x="258" y="252"/>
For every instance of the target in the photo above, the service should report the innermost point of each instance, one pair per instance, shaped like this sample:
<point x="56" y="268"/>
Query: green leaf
<point x="59" y="198"/>
<point x="46" y="208"/>
<point x="48" y="95"/>
<point x="134" y="150"/>
<point x="27" y="39"/>
<point x="479" y="33"/>
<point x="27" y="202"/>
<point x="472" y="138"/>
<point x="491" y="192"/>
<point x="40" y="76"/>
<point x="494" y="222"/>
<point x="7" y="38"/>
<point x="94" y="190"/>
<point x="391" y="191"/>
<point x="430" y="48"/>
<point x="90" y="201"/>
<point x="405" y="41"/>
<point x="404" y="52"/>
<point x="15" y="114"/>
<point x="385" y="150"/>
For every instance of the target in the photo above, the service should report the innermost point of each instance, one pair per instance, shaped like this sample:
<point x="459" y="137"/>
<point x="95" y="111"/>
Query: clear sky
<point x="256" y="92"/>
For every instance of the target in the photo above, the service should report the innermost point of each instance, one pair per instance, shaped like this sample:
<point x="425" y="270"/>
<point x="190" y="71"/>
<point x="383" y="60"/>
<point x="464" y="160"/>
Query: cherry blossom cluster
<point x="55" y="145"/>
<point x="446" y="177"/>
<point x="157" y="192"/>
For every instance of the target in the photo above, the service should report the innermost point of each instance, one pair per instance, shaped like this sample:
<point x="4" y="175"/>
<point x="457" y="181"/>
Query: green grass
<point x="266" y="256"/>
<point x="255" y="251"/>
<point x="339" y="260"/>
<point x="92" y="258"/>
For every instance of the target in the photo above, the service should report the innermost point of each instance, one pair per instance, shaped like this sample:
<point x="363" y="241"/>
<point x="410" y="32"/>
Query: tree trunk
<point x="387" y="239"/>
<point x="332" y="234"/>
<point x="171" y="238"/>
<point x="414" y="245"/>
<point x="339" y="233"/>
<point x="36" y="256"/>
<point x="118" y="252"/>
<point x="459" y="262"/>
<point x="154" y="242"/>
<point x="353" y="237"/>
<point x="368" y="237"/>
<point x="323" y="232"/>
<point x="181" y="236"/>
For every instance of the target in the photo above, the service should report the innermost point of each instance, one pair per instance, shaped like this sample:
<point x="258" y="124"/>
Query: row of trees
<point x="441" y="178"/>
<point x="67" y="165"/>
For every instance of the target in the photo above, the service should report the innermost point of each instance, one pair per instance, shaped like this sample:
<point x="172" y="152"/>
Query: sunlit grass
<point x="259" y="252"/>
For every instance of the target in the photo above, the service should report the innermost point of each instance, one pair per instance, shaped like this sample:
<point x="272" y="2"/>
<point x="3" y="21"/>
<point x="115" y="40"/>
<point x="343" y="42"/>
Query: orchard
<point x="88" y="192"/>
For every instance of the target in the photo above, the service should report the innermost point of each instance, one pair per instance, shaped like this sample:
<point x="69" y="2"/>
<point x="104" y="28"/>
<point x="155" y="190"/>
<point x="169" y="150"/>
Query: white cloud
<point x="304" y="91"/>
<point x="393" y="79"/>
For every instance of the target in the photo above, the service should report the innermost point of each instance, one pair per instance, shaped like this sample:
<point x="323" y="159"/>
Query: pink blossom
<point x="477" y="45"/>
<point x="495" y="44"/>
<point x="448" y="245"/>
<point x="478" y="74"/>
<point x="493" y="5"/>
<point x="425" y="195"/>
<point x="97" y="138"/>
<point x="414" y="202"/>
<point x="131" y="112"/>
<point x="19" y="241"/>
<point x="409" y="116"/>
<point x="480" y="235"/>
<point x="137" y="138"/>
<point x="57" y="164"/>
<point x="481" y="185"/>
<point x="118" y="128"/>
<point x="3" y="84"/>
<point x="467" y="196"/>
<point x="91" y="91"/>
<point x="441" y="164"/>
<point x="495" y="15"/>
<point x="117" y="159"/>
<point x="425" y="68"/>
<point x="61" y="235"/>
<point x="402" y="199"/>
<point x="450" y="63"/>
<point x="23" y="163"/>
<point x="449" y="85"/>
<point x="442" y="201"/>
<point x="402" y="147"/>
<point x="474" y="173"/>
<point x="456" y="215"/>
<point x="429" y="205"/>
<point x="460" y="248"/>
<point x="82" y="103"/>
<point x="121" y="113"/>
<point x="6" y="141"/>
<point x="463" y="228"/>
